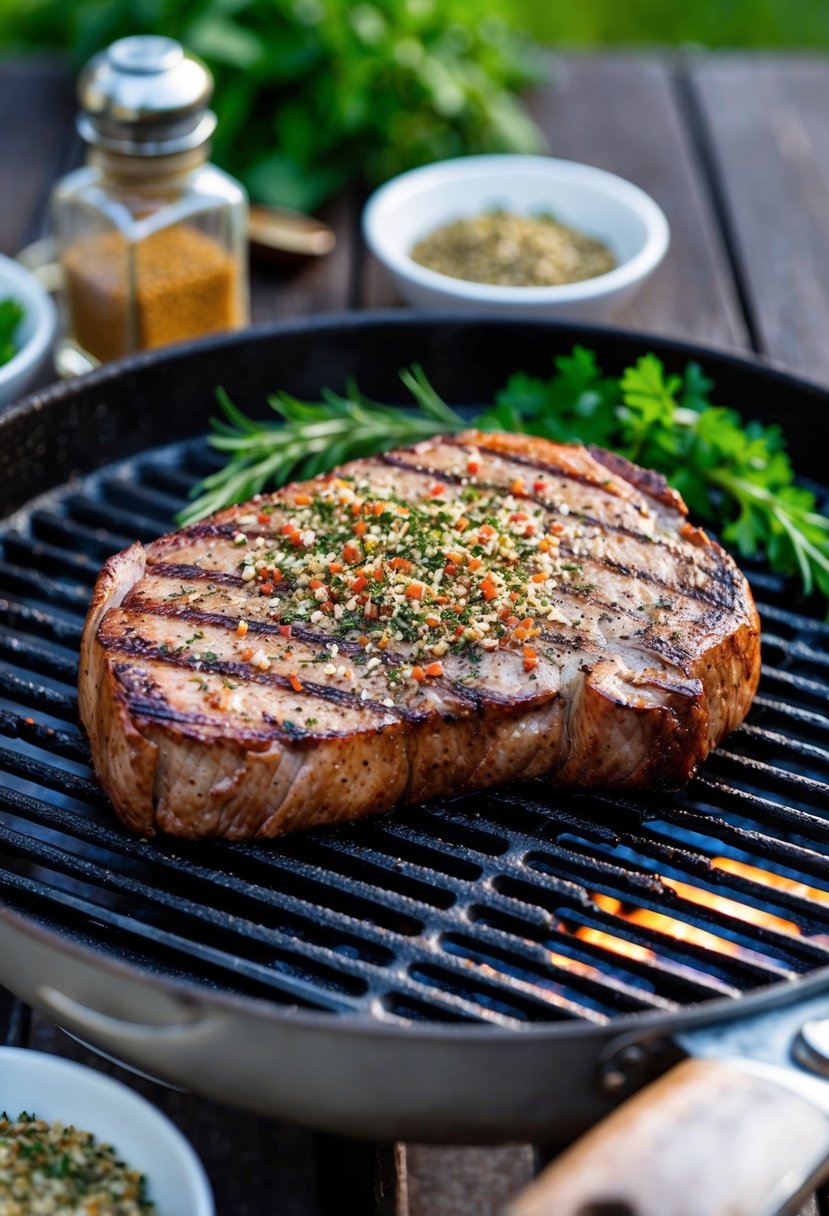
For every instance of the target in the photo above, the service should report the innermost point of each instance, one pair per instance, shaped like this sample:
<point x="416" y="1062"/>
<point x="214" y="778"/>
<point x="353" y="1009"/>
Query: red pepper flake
<point x="296" y="683"/>
<point x="539" y="487"/>
<point x="473" y="467"/>
<point x="284" y="631"/>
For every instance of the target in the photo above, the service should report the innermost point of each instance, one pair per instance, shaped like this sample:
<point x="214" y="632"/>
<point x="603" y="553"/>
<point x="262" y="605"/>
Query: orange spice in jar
<point x="151" y="238"/>
<point x="175" y="284"/>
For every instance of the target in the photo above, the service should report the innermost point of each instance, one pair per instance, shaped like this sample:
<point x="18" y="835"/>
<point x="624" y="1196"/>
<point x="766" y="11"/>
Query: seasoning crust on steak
<point x="467" y="611"/>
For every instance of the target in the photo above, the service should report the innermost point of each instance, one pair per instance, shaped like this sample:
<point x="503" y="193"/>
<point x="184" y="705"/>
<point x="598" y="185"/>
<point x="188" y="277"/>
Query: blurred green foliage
<point x="706" y="22"/>
<point x="736" y="23"/>
<point x="311" y="93"/>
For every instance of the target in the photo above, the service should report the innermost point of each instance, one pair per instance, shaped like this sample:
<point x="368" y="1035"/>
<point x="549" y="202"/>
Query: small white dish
<point x="56" y="1089"/>
<point x="409" y="207"/>
<point x="35" y="333"/>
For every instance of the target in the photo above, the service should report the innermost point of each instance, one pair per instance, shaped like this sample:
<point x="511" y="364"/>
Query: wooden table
<point x="735" y="148"/>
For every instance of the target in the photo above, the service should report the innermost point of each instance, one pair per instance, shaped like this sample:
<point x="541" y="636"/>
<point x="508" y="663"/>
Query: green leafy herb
<point x="11" y="314"/>
<point x="315" y="437"/>
<point x="312" y="94"/>
<point x="732" y="472"/>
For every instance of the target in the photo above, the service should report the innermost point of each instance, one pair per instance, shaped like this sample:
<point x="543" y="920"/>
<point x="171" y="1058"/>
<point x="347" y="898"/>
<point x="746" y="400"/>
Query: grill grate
<point x="506" y="907"/>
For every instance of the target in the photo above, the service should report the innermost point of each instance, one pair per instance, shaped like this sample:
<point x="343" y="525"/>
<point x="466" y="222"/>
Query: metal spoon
<point x="285" y="237"/>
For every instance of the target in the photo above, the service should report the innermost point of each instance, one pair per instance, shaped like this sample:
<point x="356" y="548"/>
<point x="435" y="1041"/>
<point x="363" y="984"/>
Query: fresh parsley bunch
<point x="734" y="473"/>
<point x="312" y="94"/>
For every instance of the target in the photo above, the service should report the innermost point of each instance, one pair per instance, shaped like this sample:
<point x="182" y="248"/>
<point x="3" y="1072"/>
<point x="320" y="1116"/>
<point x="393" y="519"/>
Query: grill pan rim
<point x="708" y="1011"/>
<point x="704" y="1013"/>
<point x="393" y="317"/>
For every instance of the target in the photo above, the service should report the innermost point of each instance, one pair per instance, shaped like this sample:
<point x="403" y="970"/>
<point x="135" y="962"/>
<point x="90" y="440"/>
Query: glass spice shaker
<point x="152" y="239"/>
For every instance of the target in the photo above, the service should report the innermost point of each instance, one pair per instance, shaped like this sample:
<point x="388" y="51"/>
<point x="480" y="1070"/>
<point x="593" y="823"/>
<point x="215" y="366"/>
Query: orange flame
<point x="682" y="931"/>
<point x="765" y="878"/>
<point x="730" y="907"/>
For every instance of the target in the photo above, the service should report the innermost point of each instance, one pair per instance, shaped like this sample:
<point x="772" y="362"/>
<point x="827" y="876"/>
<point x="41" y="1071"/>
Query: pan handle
<point x="709" y="1138"/>
<point x="82" y="1019"/>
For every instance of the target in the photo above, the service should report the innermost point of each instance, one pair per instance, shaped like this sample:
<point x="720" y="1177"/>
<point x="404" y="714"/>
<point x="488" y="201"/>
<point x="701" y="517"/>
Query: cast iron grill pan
<point x="514" y="906"/>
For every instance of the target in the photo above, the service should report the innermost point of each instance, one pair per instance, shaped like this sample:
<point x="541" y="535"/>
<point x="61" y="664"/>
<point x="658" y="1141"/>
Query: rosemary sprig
<point x="312" y="437"/>
<point x="732" y="472"/>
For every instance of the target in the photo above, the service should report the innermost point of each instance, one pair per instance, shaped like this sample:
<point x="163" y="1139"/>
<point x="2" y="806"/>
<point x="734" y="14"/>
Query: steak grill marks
<point x="717" y="574"/>
<point x="504" y="907"/>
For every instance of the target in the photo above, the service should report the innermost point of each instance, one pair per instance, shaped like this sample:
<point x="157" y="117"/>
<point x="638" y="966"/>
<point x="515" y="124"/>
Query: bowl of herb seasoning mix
<point x="522" y="234"/>
<point x="73" y="1141"/>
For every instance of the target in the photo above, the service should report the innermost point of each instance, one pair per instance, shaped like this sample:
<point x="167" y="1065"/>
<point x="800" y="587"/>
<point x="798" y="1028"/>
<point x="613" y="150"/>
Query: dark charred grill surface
<point x="514" y="906"/>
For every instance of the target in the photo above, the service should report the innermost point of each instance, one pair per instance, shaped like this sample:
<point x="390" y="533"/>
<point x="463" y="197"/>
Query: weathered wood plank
<point x="37" y="110"/>
<point x="460" y="1181"/>
<point x="621" y="113"/>
<point x="255" y="1165"/>
<point x="322" y="285"/>
<point x="764" y="118"/>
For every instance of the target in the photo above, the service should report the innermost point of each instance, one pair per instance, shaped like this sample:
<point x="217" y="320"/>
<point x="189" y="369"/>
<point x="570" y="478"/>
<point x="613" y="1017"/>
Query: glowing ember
<point x="730" y="907"/>
<point x="766" y="879"/>
<point x="574" y="965"/>
<point x="615" y="945"/>
<point x="678" y="930"/>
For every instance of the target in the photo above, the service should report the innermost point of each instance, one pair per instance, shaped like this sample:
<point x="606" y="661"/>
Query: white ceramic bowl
<point x="57" y="1089"/>
<point x="35" y="334"/>
<point x="411" y="206"/>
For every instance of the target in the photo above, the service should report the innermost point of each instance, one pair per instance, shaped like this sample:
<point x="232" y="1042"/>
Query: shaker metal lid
<point x="145" y="96"/>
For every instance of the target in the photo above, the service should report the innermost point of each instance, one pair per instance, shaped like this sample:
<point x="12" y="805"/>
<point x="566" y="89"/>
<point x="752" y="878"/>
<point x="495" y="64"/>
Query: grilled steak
<point x="467" y="611"/>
